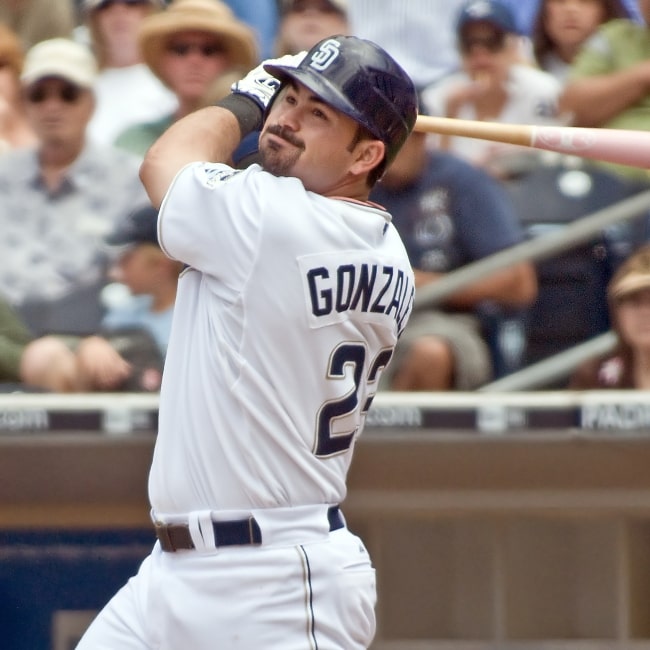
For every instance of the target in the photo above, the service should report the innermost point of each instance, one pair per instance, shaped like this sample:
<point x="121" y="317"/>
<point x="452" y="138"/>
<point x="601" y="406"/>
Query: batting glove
<point x="259" y="85"/>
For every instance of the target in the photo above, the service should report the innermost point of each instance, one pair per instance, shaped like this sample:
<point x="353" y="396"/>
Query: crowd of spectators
<point x="86" y="86"/>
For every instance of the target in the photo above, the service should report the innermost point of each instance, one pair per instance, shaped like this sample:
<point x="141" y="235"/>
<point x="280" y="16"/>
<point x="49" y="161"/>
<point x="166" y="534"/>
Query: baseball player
<point x="294" y="294"/>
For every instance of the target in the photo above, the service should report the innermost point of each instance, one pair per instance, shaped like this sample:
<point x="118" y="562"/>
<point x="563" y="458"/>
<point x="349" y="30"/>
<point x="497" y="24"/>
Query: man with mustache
<point x="295" y="291"/>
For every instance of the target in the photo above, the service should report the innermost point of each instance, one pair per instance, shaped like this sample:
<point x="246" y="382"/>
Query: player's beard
<point x="279" y="161"/>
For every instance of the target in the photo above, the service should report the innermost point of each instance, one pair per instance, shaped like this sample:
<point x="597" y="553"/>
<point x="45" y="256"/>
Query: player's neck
<point x="355" y="190"/>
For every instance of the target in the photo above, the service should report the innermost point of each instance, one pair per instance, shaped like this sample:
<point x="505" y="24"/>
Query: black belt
<point x="241" y="532"/>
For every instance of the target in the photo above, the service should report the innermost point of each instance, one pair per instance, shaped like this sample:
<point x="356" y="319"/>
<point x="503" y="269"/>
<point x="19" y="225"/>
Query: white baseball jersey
<point x="288" y="310"/>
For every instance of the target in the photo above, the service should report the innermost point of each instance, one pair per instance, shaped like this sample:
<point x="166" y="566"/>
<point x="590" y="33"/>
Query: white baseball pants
<point x="316" y="595"/>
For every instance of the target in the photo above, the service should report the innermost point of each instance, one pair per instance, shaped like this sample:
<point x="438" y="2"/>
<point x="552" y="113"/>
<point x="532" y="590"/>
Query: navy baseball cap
<point x="140" y="227"/>
<point x="489" y="11"/>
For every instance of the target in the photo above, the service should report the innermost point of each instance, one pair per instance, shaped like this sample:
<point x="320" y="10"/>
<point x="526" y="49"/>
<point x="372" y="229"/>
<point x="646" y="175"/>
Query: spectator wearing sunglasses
<point x="190" y="47"/>
<point x="127" y="91"/>
<point x="494" y="85"/>
<point x="61" y="196"/>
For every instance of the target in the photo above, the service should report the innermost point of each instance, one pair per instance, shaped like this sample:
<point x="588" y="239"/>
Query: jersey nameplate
<point x="336" y="290"/>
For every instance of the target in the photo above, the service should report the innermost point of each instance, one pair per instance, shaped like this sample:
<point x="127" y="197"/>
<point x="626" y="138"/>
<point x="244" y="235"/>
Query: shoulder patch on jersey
<point x="211" y="175"/>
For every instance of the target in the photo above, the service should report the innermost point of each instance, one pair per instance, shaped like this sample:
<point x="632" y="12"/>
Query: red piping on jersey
<point x="371" y="204"/>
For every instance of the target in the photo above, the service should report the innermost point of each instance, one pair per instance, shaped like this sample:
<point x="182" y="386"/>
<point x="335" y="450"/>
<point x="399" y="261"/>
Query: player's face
<point x="306" y="138"/>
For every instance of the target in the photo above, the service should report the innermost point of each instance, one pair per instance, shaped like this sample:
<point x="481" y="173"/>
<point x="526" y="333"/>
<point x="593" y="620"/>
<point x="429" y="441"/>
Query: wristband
<point x="248" y="112"/>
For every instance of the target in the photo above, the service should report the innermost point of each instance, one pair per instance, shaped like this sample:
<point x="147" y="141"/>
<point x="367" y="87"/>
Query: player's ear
<point x="369" y="153"/>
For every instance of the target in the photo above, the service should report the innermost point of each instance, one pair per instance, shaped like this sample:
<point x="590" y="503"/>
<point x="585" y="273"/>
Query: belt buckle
<point x="174" y="537"/>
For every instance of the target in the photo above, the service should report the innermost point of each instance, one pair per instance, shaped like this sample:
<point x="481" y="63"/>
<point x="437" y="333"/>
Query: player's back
<point x="285" y="321"/>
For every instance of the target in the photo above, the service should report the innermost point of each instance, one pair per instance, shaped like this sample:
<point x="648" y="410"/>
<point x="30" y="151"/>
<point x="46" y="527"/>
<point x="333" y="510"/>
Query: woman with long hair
<point x="562" y="26"/>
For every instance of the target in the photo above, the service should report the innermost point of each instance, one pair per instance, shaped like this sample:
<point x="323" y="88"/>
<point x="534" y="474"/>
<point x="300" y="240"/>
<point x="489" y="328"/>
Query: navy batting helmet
<point x="362" y="81"/>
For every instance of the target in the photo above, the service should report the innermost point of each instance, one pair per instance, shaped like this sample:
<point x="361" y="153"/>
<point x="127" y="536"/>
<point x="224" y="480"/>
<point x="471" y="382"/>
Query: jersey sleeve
<point x="210" y="220"/>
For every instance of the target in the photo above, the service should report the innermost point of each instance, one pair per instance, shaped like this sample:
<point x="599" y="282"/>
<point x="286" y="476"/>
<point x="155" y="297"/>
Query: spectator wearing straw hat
<point x="190" y="47"/>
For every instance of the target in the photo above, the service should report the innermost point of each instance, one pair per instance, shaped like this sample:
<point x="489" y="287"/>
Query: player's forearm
<point x="210" y="134"/>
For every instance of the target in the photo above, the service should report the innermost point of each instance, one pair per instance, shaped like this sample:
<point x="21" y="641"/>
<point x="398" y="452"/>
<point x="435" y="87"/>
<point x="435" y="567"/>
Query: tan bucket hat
<point x="211" y="16"/>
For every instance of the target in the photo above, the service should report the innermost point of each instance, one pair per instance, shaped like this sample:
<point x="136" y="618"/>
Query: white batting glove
<point x="259" y="85"/>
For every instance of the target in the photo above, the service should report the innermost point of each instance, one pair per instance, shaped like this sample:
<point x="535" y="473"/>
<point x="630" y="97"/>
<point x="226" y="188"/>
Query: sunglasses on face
<point x="67" y="93"/>
<point x="491" y="42"/>
<point x="206" y="49"/>
<point x="131" y="3"/>
<point x="301" y="6"/>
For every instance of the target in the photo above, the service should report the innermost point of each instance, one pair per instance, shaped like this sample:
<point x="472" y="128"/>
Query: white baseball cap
<point x="60" y="57"/>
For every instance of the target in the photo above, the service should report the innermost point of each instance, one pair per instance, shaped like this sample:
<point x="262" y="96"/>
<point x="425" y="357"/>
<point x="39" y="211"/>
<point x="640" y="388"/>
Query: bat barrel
<point x="620" y="146"/>
<point x="495" y="131"/>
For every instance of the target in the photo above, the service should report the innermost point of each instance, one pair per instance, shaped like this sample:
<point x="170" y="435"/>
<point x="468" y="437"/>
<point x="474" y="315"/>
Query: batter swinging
<point x="295" y="292"/>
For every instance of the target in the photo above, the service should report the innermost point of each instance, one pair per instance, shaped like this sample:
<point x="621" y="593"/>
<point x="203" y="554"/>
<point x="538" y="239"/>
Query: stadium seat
<point x="571" y="306"/>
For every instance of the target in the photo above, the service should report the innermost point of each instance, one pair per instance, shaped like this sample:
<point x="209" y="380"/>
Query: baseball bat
<point x="622" y="146"/>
